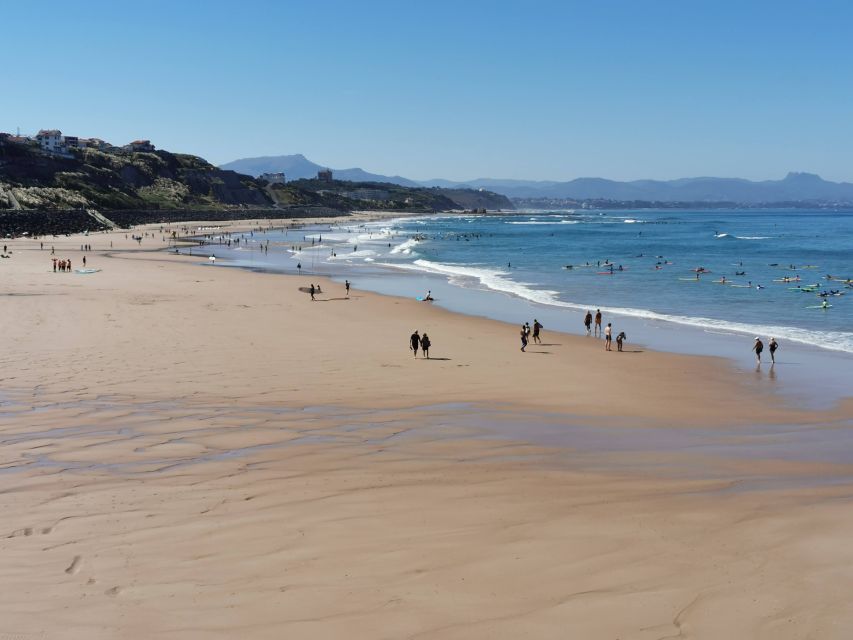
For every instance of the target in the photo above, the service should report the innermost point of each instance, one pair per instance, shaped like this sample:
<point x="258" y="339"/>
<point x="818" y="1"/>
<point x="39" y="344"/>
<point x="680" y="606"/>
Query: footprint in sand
<point x="113" y="592"/>
<point x="28" y="531"/>
<point x="74" y="566"/>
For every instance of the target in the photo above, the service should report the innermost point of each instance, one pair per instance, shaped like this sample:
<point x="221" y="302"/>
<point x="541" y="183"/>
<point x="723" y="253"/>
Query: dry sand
<point x="197" y="452"/>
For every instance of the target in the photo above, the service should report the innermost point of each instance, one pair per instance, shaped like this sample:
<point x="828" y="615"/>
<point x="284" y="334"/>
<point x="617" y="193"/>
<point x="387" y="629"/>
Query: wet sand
<point x="196" y="452"/>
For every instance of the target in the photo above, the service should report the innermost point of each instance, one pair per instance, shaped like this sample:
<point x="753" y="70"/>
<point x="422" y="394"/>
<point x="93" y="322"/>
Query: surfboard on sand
<point x="86" y="270"/>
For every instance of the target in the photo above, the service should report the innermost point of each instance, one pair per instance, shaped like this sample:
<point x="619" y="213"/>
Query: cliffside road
<point x="102" y="219"/>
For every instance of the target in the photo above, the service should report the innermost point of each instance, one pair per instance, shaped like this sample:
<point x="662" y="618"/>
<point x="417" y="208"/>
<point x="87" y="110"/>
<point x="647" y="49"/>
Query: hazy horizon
<point x="454" y="91"/>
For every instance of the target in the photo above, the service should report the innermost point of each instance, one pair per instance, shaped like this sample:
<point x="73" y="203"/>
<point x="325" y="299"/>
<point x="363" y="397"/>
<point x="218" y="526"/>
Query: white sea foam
<point x="753" y="237"/>
<point x="405" y="247"/>
<point x="544" y="222"/>
<point x="496" y="280"/>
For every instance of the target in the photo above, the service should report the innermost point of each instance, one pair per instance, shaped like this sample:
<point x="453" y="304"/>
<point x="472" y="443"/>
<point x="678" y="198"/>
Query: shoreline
<point x="200" y="453"/>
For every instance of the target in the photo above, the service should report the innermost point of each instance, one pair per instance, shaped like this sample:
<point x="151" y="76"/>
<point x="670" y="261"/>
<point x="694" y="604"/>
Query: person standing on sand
<point x="312" y="291"/>
<point x="608" y="333"/>
<point x="425" y="344"/>
<point x="414" y="342"/>
<point x="346" y="284"/>
<point x="773" y="345"/>
<point x="598" y="322"/>
<point x="536" y="328"/>
<point x="587" y="322"/>
<point x="619" y="339"/>
<point x="523" y="337"/>
<point x="758" y="347"/>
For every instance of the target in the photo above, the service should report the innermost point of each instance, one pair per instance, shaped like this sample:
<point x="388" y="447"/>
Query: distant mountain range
<point x="297" y="167"/>
<point x="795" y="187"/>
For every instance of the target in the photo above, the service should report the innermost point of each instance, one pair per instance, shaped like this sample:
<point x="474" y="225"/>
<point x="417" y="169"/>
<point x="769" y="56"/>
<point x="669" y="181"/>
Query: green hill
<point x="119" y="179"/>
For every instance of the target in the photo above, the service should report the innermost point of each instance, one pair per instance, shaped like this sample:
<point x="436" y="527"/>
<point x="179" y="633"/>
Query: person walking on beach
<point x="598" y="322"/>
<point x="758" y="347"/>
<point x="773" y="345"/>
<point x="312" y="291"/>
<point x="523" y="337"/>
<point x="536" y="327"/>
<point x="608" y="333"/>
<point x="414" y="342"/>
<point x="346" y="284"/>
<point x="587" y="322"/>
<point x="425" y="344"/>
<point x="619" y="339"/>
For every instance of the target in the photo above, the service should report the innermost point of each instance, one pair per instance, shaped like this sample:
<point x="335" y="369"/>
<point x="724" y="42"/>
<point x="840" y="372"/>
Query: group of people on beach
<point x="608" y="331"/>
<point x="62" y="265"/>
<point x="758" y="347"/>
<point x="527" y="333"/>
<point x="417" y="341"/>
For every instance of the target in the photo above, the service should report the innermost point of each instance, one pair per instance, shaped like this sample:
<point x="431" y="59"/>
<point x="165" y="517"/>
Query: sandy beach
<point x="191" y="451"/>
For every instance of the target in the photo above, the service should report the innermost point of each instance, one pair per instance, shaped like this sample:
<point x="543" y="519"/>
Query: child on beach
<point x="619" y="339"/>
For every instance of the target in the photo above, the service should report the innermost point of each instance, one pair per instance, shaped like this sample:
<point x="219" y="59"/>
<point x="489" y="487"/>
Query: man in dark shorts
<point x="415" y="342"/>
<point x="346" y="284"/>
<point x="536" y="327"/>
<point x="758" y="347"/>
<point x="312" y="291"/>
<point x="587" y="322"/>
<point x="598" y="322"/>
<point x="608" y="336"/>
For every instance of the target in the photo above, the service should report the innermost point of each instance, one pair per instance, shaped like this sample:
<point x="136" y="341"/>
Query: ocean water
<point x="526" y="255"/>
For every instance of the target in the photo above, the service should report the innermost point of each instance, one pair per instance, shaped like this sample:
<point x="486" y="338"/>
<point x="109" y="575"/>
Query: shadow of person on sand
<point x="549" y="344"/>
<point x="437" y="359"/>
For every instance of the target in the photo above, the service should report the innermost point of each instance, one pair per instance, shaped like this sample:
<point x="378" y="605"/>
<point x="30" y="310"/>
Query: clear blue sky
<point x="622" y="89"/>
